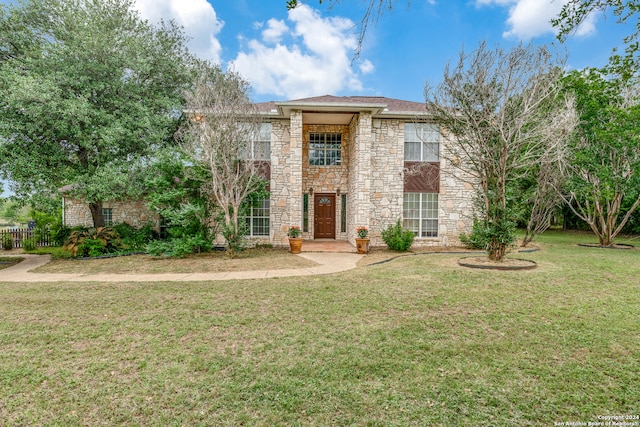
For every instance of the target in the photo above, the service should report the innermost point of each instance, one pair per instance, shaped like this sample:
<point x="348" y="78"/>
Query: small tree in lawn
<point x="543" y="200"/>
<point x="223" y="123"/>
<point x="502" y="113"/>
<point x="603" y="173"/>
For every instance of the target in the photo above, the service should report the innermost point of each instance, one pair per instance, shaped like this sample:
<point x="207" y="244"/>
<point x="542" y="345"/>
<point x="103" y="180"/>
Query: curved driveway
<point x="328" y="263"/>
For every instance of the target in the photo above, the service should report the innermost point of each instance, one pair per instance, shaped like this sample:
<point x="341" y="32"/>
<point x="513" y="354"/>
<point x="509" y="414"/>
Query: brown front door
<point x="324" y="209"/>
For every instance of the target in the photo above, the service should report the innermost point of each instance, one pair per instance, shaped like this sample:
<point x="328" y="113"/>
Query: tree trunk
<point x="497" y="250"/>
<point x="96" y="214"/>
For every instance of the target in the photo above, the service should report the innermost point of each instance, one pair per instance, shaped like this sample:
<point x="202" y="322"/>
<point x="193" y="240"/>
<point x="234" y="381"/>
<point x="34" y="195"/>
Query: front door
<point x="324" y="224"/>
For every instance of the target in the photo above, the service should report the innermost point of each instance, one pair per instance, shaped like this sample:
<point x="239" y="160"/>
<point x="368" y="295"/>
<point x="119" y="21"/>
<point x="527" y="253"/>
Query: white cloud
<point x="588" y="26"/>
<point x="311" y="58"/>
<point x="532" y="18"/>
<point x="275" y="30"/>
<point x="367" y="67"/>
<point x="196" y="16"/>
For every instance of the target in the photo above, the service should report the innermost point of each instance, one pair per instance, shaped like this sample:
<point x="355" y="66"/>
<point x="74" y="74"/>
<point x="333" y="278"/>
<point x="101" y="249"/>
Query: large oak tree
<point x="87" y="87"/>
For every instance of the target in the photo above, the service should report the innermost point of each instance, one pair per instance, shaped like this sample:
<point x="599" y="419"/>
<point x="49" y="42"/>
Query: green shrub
<point x="179" y="247"/>
<point x="477" y="239"/>
<point x="397" y="238"/>
<point x="159" y="247"/>
<point x="30" y="244"/>
<point x="59" y="234"/>
<point x="56" y="252"/>
<point x="124" y="230"/>
<point x="82" y="242"/>
<point x="7" y="242"/>
<point x="92" y="248"/>
<point x="135" y="239"/>
<point x="487" y="234"/>
<point x="235" y="238"/>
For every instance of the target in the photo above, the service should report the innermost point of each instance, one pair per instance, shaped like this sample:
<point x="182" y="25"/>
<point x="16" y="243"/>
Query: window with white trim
<point x="420" y="213"/>
<point x="325" y="149"/>
<point x="421" y="142"/>
<point x="258" y="218"/>
<point x="107" y="214"/>
<point x="261" y="143"/>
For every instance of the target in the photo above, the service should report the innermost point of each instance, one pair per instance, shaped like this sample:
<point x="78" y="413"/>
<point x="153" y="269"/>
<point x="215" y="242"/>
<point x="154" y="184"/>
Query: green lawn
<point x="414" y="341"/>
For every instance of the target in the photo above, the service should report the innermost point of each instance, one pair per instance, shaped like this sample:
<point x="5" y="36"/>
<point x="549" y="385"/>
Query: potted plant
<point x="295" y="241"/>
<point x="362" y="240"/>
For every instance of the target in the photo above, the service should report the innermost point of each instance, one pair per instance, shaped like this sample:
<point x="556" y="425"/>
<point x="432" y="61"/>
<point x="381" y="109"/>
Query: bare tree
<point x="503" y="114"/>
<point x="544" y="200"/>
<point x="218" y="135"/>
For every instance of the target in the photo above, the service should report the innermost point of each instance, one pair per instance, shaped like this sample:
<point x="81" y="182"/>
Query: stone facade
<point x="325" y="179"/>
<point x="456" y="198"/>
<point x="286" y="177"/>
<point x="135" y="213"/>
<point x="371" y="172"/>
<point x="387" y="175"/>
<point x="370" y="178"/>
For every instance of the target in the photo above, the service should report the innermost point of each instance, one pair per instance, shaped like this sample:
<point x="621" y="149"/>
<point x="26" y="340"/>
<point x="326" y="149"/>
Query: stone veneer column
<point x="360" y="207"/>
<point x="457" y="194"/>
<point x="286" y="177"/>
<point x="387" y="172"/>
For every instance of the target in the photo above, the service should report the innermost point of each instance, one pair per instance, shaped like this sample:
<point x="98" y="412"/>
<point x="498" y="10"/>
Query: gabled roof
<point x="379" y="106"/>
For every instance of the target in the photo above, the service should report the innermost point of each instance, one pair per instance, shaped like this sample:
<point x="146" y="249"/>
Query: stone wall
<point x="383" y="183"/>
<point x="387" y="166"/>
<point x="372" y="174"/>
<point x="135" y="213"/>
<point x="286" y="177"/>
<point x="360" y="212"/>
<point x="456" y="199"/>
<point x="326" y="179"/>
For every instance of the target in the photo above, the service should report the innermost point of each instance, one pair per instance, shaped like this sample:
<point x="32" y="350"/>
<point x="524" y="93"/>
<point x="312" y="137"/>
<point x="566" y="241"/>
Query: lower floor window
<point x="420" y="213"/>
<point x="258" y="218"/>
<point x="107" y="214"/>
<point x="343" y="213"/>
<point x="305" y="213"/>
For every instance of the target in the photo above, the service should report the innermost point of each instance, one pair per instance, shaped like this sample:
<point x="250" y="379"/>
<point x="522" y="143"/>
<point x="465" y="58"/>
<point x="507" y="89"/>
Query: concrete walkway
<point x="328" y="263"/>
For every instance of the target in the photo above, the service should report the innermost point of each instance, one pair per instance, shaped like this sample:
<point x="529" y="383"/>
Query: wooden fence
<point x="20" y="234"/>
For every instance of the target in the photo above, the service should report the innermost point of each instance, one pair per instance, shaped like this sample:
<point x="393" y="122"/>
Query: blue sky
<point x="309" y="51"/>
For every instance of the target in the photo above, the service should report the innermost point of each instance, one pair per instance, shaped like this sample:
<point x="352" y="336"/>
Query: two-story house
<point x="337" y="163"/>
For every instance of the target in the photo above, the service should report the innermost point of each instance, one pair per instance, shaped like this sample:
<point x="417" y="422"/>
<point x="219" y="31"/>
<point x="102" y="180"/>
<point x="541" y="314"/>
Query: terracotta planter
<point x="362" y="245"/>
<point x="295" y="244"/>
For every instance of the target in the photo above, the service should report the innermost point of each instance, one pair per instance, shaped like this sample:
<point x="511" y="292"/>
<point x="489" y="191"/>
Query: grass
<point x="414" y="341"/>
<point x="8" y="261"/>
<point x="250" y="259"/>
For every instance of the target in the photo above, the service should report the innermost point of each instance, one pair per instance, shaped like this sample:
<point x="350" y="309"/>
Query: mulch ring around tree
<point x="483" y="262"/>
<point x="613" y="246"/>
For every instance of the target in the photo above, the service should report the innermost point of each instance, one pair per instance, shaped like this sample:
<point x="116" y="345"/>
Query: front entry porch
<point x="328" y="245"/>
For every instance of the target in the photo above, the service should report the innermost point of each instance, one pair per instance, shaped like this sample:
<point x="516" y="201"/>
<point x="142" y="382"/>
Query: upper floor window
<point x="261" y="143"/>
<point x="421" y="142"/>
<point x="325" y="149"/>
